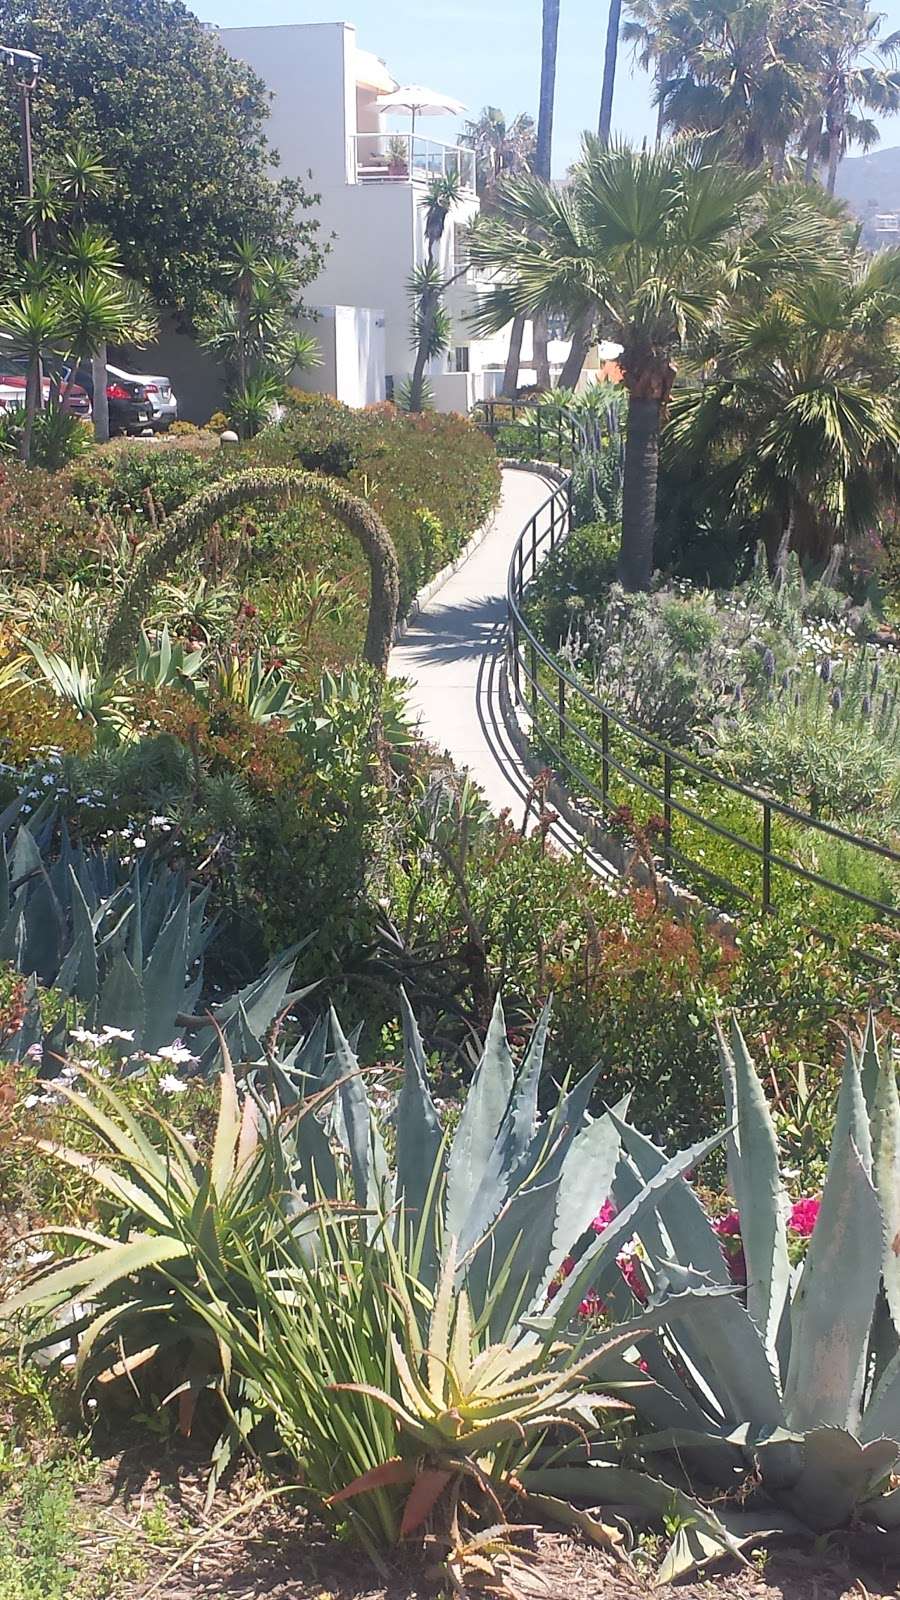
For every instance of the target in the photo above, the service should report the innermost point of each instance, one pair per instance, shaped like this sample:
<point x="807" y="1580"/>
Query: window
<point x="461" y="358"/>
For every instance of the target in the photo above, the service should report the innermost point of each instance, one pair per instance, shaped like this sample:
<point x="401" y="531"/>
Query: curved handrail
<point x="527" y="654"/>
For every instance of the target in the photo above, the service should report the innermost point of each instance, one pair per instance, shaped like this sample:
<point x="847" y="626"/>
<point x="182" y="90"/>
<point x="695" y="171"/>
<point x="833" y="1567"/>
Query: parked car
<point x="163" y="404"/>
<point x="12" y="389"/>
<point x="130" y="410"/>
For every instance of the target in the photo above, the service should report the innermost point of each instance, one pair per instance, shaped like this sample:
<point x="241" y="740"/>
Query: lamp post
<point x="25" y="67"/>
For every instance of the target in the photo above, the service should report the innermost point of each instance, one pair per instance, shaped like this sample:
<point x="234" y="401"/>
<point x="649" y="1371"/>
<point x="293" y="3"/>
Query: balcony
<point x="406" y="158"/>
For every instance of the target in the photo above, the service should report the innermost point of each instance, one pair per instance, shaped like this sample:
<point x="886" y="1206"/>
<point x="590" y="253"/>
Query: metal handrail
<point x="526" y="654"/>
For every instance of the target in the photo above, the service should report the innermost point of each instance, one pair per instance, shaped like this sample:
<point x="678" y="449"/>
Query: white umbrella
<point x="420" y="102"/>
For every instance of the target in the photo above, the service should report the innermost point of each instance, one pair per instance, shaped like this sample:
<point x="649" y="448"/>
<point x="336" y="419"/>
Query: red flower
<point x="727" y="1226"/>
<point x="729" y="1230"/>
<point x="804" y="1216"/>
<point x="604" y="1217"/>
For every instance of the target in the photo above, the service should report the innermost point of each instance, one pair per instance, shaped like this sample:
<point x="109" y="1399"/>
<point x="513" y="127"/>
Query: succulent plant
<point x="799" y="1383"/>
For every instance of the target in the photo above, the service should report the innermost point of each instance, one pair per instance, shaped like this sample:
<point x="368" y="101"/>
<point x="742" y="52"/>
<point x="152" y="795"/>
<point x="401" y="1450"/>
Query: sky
<point x="487" y="52"/>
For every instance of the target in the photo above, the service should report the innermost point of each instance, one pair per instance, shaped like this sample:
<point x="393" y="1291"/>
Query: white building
<point x="329" y="132"/>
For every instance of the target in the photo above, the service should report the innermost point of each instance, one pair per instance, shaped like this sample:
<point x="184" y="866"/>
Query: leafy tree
<point x="656" y="242"/>
<point x="178" y="122"/>
<point x="796" y="426"/>
<point x="502" y="150"/>
<point x="854" y="78"/>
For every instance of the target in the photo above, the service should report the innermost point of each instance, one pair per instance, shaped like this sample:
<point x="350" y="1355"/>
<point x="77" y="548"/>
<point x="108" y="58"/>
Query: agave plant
<point x="798" y="1381"/>
<point x="166" y="663"/>
<point x="127" y="943"/>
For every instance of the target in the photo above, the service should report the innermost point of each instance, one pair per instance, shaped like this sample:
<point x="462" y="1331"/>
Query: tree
<point x="655" y="242"/>
<point x="180" y="124"/>
<point x="796" y="426"/>
<point x="852" y="80"/>
<point x="543" y="157"/>
<point x="251" y="332"/>
<point x="502" y="150"/>
<point x="430" y="326"/>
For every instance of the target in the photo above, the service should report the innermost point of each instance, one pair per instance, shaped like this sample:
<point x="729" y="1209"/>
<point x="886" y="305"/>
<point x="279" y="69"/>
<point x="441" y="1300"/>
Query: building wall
<point x="377" y="229"/>
<point x="351" y="343"/>
<point x="196" y="378"/>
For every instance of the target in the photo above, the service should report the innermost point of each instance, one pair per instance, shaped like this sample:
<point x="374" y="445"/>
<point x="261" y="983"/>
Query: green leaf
<point x="122" y="999"/>
<point x="835" y="1299"/>
<point x="886" y="1172"/>
<point x="478" y="1126"/>
<point x="754" y="1175"/>
<point x="420" y="1138"/>
<point x="838" y="1473"/>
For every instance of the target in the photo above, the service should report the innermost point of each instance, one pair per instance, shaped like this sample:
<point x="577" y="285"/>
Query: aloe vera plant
<point x="798" y="1381"/>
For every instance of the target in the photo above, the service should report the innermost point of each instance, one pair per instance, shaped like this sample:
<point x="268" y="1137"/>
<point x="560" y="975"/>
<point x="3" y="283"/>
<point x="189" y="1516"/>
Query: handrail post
<point x="561" y="711"/>
<point x="767" y="857"/>
<point x="537" y="419"/>
<point x="559" y="439"/>
<point x="667" y="809"/>
<point x="604" y="759"/>
<point x="552" y="522"/>
<point x="534" y="547"/>
<point x="534" y="673"/>
<point x="514" y="643"/>
<point x="570" y="495"/>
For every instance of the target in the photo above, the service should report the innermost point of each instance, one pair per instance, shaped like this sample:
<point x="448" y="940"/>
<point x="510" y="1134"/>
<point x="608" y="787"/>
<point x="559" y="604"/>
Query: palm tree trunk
<point x="100" y="378"/>
<point x="514" y="356"/>
<point x="582" y="339"/>
<point x="540" y="336"/>
<point x="834" y="160"/>
<point x="609" y="69"/>
<point x="32" y="397"/>
<point x="549" y="40"/>
<point x="635" y="567"/>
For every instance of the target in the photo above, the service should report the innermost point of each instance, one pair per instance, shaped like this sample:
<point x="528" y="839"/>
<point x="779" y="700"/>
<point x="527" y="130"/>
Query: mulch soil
<point x="245" y="1550"/>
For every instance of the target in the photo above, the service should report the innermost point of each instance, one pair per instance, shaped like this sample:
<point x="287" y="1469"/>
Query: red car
<point x="12" y="392"/>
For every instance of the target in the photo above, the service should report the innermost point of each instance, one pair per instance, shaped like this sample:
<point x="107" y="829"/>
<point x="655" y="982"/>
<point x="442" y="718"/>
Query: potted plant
<point x="398" y="156"/>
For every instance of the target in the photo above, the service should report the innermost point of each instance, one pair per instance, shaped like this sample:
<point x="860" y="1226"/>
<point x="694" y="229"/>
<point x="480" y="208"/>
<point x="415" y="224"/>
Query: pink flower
<point x="604" y="1217"/>
<point x="591" y="1306"/>
<point x="804" y="1216"/>
<point x="728" y="1225"/>
<point x="630" y="1267"/>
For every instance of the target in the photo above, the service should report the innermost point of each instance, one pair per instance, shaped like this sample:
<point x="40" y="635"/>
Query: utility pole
<point x="25" y="67"/>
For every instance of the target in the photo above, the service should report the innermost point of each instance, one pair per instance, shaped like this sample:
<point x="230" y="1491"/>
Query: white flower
<point x="177" y="1053"/>
<point x="140" y="843"/>
<point x="127" y="1034"/>
<point x="84" y="1036"/>
<point x="30" y="1101"/>
<point x="34" y="1052"/>
<point x="169" y="1084"/>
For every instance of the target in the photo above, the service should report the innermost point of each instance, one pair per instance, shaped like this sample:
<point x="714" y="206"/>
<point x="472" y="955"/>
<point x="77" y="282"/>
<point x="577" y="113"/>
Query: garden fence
<point x="667" y="776"/>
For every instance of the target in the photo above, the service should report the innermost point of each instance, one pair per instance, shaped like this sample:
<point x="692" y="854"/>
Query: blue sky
<point x="487" y="52"/>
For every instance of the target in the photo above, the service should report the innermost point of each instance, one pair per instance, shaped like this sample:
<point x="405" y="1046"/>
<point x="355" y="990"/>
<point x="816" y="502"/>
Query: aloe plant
<point x="798" y="1380"/>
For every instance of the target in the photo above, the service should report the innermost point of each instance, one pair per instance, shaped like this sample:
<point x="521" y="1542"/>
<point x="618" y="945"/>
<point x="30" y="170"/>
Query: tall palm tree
<point x="543" y="158"/>
<point x="854" y="76"/>
<point x="428" y="283"/>
<point x="658" y="31"/>
<point x="502" y="150"/>
<point x="655" y="242"/>
<point x="34" y="326"/>
<point x="797" y="422"/>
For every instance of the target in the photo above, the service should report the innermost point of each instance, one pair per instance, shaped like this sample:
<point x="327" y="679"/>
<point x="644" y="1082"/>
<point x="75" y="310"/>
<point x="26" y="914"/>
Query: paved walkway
<point x="452" y="653"/>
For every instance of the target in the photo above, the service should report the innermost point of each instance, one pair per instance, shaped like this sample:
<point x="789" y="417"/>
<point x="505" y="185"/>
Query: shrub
<point x="576" y="578"/>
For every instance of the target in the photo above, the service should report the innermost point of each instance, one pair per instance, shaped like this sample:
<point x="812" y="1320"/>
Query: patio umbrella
<point x="420" y="102"/>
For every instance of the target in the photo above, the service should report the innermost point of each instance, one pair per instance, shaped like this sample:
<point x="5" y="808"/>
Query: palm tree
<point x="543" y="158"/>
<point x="250" y="331"/>
<point x="657" y="31"/>
<point x="851" y="80"/>
<point x="427" y="285"/>
<point x="34" y="326"/>
<point x="502" y="150"/>
<point x="742" y="69"/>
<point x="655" y="242"/>
<point x="797" y="422"/>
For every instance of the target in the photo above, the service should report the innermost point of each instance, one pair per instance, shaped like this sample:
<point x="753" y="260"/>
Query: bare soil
<point x="250" y="1549"/>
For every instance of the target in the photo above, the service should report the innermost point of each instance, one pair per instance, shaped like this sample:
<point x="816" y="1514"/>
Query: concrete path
<point x="452" y="654"/>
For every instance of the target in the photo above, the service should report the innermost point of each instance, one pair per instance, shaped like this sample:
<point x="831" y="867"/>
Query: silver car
<point x="163" y="404"/>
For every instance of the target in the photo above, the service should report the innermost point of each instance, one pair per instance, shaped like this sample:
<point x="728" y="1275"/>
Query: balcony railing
<point x="406" y="158"/>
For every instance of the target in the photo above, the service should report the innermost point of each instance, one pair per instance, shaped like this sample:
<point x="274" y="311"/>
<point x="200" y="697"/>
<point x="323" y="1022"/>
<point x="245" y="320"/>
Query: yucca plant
<point x="798" y="1380"/>
<point x="174" y="1221"/>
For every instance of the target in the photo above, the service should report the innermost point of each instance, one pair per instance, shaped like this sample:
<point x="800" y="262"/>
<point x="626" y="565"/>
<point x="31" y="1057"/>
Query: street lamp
<point x="25" y="67"/>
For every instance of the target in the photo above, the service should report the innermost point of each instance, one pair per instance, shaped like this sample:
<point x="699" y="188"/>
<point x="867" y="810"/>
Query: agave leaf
<point x="851" y="1118"/>
<point x="86" y="981"/>
<point x="122" y="999"/>
<point x="835" y="1299"/>
<point x="478" y="1126"/>
<point x="755" y="1178"/>
<point x="884" y="1510"/>
<point x="420" y="1139"/>
<point x="355" y="1124"/>
<point x="439" y="1329"/>
<point x="838" y="1473"/>
<point x="690" y="1235"/>
<point x="164" y="976"/>
<point x="513" y="1139"/>
<point x="870" y="1064"/>
<point x="881" y="1419"/>
<point x="886" y="1172"/>
<point x="605" y="1535"/>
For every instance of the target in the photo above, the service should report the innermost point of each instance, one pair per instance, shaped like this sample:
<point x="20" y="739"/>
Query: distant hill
<point x="871" y="187"/>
